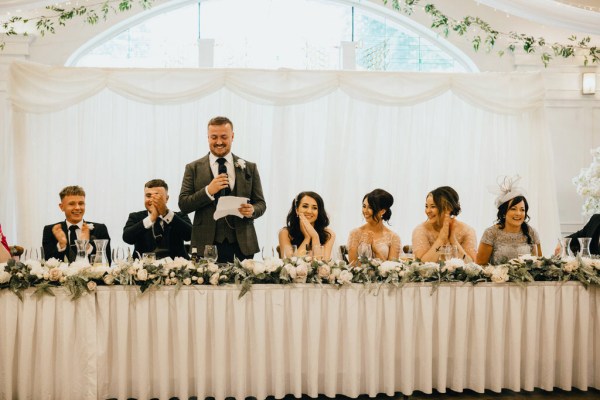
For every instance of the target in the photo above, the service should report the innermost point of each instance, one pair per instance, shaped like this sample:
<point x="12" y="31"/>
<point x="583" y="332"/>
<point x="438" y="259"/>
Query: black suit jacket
<point x="49" y="242"/>
<point x="591" y="229"/>
<point x="175" y="233"/>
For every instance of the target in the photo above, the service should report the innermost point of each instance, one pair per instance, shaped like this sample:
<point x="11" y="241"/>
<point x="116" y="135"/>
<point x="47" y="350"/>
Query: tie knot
<point x="73" y="228"/>
<point x="221" y="161"/>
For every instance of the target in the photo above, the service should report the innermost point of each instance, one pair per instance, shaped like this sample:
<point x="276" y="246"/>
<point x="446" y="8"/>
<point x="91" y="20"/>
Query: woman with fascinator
<point x="307" y="227"/>
<point x="511" y="235"/>
<point x="441" y="229"/>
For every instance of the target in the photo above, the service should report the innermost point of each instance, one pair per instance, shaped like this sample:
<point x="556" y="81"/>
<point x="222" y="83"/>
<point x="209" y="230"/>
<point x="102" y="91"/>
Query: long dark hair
<point x="503" y="209"/>
<point x="293" y="222"/>
<point x="446" y="199"/>
<point x="379" y="200"/>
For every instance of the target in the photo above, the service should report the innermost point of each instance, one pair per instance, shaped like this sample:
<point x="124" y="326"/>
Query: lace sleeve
<point x="489" y="236"/>
<point x="469" y="242"/>
<point x="353" y="238"/>
<point x="420" y="242"/>
<point x="396" y="244"/>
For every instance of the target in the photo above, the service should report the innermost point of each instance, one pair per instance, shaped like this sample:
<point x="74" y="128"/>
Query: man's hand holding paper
<point x="233" y="205"/>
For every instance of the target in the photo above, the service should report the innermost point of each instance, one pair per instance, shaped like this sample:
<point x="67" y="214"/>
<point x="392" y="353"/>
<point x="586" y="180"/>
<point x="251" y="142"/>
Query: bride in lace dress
<point x="385" y="244"/>
<point x="442" y="228"/>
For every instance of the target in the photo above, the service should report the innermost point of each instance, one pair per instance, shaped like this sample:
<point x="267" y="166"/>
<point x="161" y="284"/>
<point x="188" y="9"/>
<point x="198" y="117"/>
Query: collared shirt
<point x="163" y="220"/>
<point x="214" y="167"/>
<point x="79" y="225"/>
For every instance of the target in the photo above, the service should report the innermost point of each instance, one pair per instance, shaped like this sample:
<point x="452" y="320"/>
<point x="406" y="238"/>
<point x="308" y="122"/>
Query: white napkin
<point x="229" y="205"/>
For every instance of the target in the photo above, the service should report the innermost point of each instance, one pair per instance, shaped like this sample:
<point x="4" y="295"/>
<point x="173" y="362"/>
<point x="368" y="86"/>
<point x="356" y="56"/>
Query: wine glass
<point x="118" y="255"/>
<point x="210" y="253"/>
<point x="34" y="254"/>
<point x="319" y="252"/>
<point x="365" y="251"/>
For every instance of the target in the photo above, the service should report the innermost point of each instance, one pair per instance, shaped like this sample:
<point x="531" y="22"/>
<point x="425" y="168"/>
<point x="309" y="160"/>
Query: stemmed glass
<point x="365" y="251"/>
<point x="210" y="253"/>
<point x="118" y="255"/>
<point x="34" y="253"/>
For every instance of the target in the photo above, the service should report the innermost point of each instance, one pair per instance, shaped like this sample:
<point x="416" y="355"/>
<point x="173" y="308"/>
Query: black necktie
<point x="222" y="170"/>
<point x="72" y="236"/>
<point x="158" y="231"/>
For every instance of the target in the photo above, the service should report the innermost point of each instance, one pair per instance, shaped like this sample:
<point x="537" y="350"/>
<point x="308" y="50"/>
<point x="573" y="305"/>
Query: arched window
<point x="300" y="34"/>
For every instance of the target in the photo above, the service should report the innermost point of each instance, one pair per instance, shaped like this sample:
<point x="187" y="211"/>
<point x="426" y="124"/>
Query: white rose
<point x="174" y="281"/>
<point x="452" y="264"/>
<point x="595" y="263"/>
<point x="214" y="279"/>
<point x="345" y="277"/>
<point x="108" y="279"/>
<point x="3" y="266"/>
<point x="52" y="263"/>
<point x="571" y="266"/>
<point x="91" y="285"/>
<point x="142" y="275"/>
<point x="212" y="267"/>
<point x="302" y="270"/>
<point x="33" y="264"/>
<point x="324" y="271"/>
<point x="200" y="280"/>
<point x="272" y="264"/>
<point x="168" y="281"/>
<point x="39" y="272"/>
<point x="386" y="267"/>
<point x="259" y="268"/>
<point x="4" y="277"/>
<point x="248" y="264"/>
<point x="55" y="274"/>
<point x="291" y="270"/>
<point x="187" y="281"/>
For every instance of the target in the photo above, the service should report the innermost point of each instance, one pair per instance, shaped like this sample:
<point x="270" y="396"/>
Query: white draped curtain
<point x="338" y="133"/>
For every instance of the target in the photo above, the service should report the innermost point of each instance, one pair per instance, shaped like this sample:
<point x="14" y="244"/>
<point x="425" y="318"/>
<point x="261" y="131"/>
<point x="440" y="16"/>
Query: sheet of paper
<point x="228" y="205"/>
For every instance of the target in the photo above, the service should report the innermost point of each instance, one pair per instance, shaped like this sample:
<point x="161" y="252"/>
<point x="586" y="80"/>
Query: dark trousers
<point x="227" y="251"/>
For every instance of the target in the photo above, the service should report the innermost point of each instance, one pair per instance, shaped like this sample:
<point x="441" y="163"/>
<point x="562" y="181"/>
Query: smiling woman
<point x="307" y="228"/>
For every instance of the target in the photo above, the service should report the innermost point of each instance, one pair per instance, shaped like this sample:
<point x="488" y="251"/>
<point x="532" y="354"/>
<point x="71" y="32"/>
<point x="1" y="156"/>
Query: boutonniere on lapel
<point x="90" y="226"/>
<point x="241" y="164"/>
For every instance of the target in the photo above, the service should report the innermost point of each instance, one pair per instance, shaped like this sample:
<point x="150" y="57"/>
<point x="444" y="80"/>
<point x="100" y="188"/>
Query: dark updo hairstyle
<point x="503" y="209"/>
<point x="379" y="200"/>
<point x="293" y="222"/>
<point x="446" y="199"/>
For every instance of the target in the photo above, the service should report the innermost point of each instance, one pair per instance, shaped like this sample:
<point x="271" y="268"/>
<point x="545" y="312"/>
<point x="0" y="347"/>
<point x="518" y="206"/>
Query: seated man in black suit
<point x="158" y="229"/>
<point x="58" y="239"/>
<point x="591" y="230"/>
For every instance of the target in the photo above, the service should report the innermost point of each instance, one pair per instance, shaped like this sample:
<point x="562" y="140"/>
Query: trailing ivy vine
<point x="59" y="16"/>
<point x="487" y="37"/>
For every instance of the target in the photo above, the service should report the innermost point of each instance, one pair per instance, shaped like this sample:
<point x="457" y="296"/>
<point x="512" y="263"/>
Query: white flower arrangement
<point x="588" y="185"/>
<point x="241" y="164"/>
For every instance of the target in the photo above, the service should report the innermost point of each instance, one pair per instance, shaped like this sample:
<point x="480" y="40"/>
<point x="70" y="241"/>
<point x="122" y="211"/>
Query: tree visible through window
<point x="299" y="34"/>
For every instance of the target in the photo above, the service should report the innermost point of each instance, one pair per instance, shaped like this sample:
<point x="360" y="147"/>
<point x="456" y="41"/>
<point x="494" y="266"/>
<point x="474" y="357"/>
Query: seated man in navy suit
<point x="591" y="230"/>
<point x="158" y="229"/>
<point x="58" y="239"/>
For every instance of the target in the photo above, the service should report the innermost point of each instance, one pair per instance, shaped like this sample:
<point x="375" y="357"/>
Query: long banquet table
<point x="302" y="339"/>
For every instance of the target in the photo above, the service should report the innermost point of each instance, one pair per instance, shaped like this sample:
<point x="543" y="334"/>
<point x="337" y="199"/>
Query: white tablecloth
<point x="307" y="339"/>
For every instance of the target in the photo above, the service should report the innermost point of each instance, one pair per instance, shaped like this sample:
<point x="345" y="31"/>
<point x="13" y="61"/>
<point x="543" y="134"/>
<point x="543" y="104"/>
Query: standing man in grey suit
<point x="221" y="173"/>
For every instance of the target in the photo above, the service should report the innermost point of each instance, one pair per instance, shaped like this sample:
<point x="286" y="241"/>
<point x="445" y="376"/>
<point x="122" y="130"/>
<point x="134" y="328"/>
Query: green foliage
<point x="445" y="24"/>
<point x="90" y="14"/>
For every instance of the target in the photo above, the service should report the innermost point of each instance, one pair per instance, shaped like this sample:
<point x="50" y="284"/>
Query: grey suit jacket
<point x="193" y="197"/>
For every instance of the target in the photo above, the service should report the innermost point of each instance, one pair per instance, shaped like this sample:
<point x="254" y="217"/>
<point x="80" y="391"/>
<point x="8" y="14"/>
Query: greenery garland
<point x="90" y="13"/>
<point x="489" y="36"/>
<point x="486" y="39"/>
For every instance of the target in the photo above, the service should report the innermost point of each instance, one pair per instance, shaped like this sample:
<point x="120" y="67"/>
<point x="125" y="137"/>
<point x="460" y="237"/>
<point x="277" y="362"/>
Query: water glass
<point x="118" y="255"/>
<point x="210" y="253"/>
<point x="364" y="250"/>
<point x="289" y="251"/>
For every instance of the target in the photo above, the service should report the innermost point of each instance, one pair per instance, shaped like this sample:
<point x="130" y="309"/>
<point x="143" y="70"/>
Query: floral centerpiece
<point x="588" y="185"/>
<point x="81" y="278"/>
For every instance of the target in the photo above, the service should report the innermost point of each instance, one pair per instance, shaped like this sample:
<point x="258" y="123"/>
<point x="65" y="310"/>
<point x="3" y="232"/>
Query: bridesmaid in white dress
<point x="442" y="205"/>
<point x="385" y="244"/>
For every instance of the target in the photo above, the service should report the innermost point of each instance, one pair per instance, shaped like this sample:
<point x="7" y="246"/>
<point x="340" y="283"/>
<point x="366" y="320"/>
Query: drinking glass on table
<point x="210" y="253"/>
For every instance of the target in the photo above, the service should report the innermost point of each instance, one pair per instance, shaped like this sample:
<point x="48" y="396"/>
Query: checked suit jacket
<point x="193" y="198"/>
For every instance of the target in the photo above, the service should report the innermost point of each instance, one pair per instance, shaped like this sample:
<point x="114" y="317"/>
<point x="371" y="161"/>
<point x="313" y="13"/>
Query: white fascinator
<point x="508" y="189"/>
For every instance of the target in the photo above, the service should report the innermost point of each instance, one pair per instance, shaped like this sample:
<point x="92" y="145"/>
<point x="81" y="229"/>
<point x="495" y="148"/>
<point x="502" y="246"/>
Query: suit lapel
<point x="204" y="167"/>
